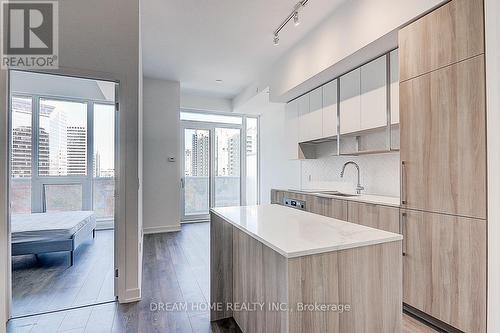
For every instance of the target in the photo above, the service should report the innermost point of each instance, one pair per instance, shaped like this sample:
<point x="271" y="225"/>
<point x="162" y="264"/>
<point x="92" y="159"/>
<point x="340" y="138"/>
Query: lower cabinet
<point x="374" y="216"/>
<point x="330" y="207"/>
<point x="277" y="197"/>
<point x="444" y="268"/>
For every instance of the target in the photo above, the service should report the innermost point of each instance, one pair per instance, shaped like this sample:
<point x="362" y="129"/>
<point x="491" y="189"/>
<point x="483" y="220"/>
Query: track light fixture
<point x="294" y="14"/>
<point x="296" y="20"/>
<point x="276" y="40"/>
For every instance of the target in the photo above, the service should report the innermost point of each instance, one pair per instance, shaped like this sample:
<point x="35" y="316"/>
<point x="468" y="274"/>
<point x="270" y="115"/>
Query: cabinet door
<point x="374" y="216"/>
<point x="292" y="129"/>
<point x="374" y="94"/>
<point x="330" y="109"/>
<point x="311" y="115"/>
<point x="449" y="34"/>
<point x="444" y="268"/>
<point x="394" y="55"/>
<point x="330" y="207"/>
<point x="443" y="140"/>
<point x="350" y="102"/>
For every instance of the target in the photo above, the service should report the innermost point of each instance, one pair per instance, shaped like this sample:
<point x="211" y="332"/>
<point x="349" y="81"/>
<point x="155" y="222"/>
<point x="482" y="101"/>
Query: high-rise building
<point x="77" y="150"/>
<point x="22" y="138"/>
<point x="200" y="154"/>
<point x="233" y="152"/>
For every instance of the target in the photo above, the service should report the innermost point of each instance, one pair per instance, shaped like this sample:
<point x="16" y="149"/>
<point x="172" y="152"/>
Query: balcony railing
<point x="227" y="193"/>
<point x="103" y="197"/>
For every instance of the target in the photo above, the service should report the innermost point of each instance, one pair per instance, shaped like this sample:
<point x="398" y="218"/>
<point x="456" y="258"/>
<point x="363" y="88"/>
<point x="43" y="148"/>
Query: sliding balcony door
<point x="196" y="173"/>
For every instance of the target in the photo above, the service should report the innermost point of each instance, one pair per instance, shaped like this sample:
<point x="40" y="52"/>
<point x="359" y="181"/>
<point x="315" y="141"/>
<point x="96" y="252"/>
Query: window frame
<point x="38" y="182"/>
<point x="192" y="124"/>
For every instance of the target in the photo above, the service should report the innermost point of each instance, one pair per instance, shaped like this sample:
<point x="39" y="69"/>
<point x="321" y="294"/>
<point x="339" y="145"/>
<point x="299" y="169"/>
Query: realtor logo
<point x="29" y="34"/>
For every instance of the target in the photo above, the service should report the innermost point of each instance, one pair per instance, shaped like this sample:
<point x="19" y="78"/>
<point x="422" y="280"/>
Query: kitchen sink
<point x="337" y="193"/>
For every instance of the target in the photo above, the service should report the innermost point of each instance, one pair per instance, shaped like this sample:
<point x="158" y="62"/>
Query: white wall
<point x="357" y="31"/>
<point x="98" y="39"/>
<point x="354" y="25"/>
<point x="193" y="101"/>
<point x="161" y="140"/>
<point x="492" y="10"/>
<point x="276" y="170"/>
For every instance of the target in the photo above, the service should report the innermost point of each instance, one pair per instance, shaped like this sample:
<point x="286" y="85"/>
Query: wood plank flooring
<point x="48" y="283"/>
<point x="175" y="269"/>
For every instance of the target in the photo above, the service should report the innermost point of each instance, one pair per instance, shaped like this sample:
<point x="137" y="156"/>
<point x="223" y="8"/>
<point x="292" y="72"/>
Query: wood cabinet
<point x="394" y="86"/>
<point x="443" y="140"/>
<point x="350" y="102"/>
<point x="444" y="268"/>
<point x="374" y="216"/>
<point x="330" y="207"/>
<point x="277" y="197"/>
<point x="330" y="99"/>
<point x="449" y="34"/>
<point x="373" y="105"/>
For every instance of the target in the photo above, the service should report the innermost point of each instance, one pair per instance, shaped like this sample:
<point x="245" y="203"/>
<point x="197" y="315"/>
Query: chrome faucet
<point x="359" y="188"/>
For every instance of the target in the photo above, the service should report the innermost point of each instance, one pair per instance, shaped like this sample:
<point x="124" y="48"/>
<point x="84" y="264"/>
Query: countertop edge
<point x="338" y="197"/>
<point x="299" y="254"/>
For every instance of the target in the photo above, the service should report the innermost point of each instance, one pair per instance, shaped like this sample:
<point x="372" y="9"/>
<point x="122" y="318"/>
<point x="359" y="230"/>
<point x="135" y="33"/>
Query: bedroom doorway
<point x="62" y="192"/>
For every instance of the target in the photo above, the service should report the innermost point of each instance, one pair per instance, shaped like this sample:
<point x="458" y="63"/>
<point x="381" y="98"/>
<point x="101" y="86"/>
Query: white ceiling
<point x="199" y="41"/>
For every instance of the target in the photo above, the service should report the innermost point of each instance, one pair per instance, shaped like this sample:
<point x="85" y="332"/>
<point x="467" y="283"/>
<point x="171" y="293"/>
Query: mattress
<point x="38" y="227"/>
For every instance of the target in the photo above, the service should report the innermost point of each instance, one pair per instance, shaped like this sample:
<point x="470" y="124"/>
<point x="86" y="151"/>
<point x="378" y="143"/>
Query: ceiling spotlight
<point x="276" y="40"/>
<point x="296" y="20"/>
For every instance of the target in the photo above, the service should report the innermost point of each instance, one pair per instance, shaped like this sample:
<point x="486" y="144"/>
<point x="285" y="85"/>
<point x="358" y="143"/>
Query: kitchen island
<point x="279" y="269"/>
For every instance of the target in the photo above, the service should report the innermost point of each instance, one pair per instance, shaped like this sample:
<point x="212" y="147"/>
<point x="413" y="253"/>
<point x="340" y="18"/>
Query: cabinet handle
<point x="402" y="230"/>
<point x="403" y="183"/>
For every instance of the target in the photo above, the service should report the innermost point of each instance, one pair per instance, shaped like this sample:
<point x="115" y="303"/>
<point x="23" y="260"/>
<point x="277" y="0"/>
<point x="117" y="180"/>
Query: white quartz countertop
<point x="367" y="198"/>
<point x="295" y="233"/>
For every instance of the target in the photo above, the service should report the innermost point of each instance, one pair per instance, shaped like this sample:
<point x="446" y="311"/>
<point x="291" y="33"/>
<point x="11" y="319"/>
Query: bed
<point x="51" y="232"/>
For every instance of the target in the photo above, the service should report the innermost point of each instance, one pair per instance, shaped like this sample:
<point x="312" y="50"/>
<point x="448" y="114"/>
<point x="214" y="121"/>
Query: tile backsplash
<point x="379" y="174"/>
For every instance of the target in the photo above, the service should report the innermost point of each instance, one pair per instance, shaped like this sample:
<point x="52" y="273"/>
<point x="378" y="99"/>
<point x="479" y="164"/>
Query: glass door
<point x="196" y="173"/>
<point x="219" y="162"/>
<point x="227" y="167"/>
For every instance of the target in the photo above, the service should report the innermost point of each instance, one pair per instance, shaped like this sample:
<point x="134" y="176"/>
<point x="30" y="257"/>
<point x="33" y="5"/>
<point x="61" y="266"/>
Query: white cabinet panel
<point x="311" y="116"/>
<point x="350" y="102"/>
<point x="374" y="94"/>
<point x="292" y="129"/>
<point x="330" y="109"/>
<point x="394" y="87"/>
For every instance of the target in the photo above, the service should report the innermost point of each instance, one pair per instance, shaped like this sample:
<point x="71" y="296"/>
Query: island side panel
<point x="221" y="267"/>
<point x="260" y="276"/>
<point x="368" y="279"/>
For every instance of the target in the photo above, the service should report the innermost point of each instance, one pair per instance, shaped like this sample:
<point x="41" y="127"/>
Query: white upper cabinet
<point x="311" y="115"/>
<point x="292" y="129"/>
<point x="330" y="109"/>
<point x="394" y="87"/>
<point x="350" y="102"/>
<point x="374" y="94"/>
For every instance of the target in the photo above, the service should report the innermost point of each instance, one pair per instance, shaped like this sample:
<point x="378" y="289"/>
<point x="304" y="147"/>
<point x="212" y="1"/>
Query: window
<point x="211" y="118"/>
<point x="21" y="159"/>
<point x="62" y="138"/>
<point x="252" y="167"/>
<point x="104" y="161"/>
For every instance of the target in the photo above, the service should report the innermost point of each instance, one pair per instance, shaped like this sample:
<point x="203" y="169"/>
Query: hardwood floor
<point x="175" y="271"/>
<point x="48" y="283"/>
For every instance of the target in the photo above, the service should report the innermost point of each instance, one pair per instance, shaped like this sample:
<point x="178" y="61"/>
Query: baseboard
<point x="131" y="295"/>
<point x="158" y="230"/>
